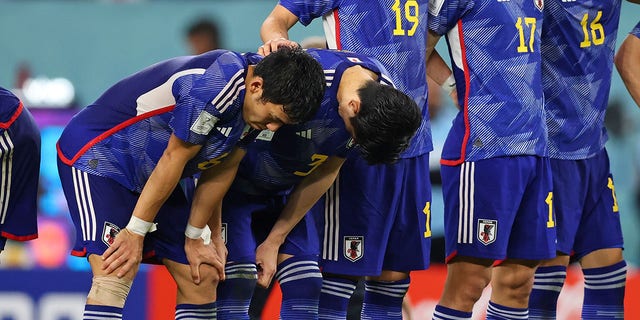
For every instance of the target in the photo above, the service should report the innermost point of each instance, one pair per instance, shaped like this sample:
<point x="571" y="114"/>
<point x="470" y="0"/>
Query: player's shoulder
<point x="9" y="104"/>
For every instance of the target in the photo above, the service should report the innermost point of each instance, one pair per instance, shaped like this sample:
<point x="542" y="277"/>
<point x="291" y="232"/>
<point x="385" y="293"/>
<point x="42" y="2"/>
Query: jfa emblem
<point x="487" y="230"/>
<point x="539" y="4"/>
<point x="353" y="247"/>
<point x="224" y="233"/>
<point x="109" y="233"/>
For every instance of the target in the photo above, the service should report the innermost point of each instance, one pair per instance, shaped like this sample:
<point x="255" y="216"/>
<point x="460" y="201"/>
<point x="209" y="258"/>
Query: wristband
<point x="449" y="85"/>
<point x="139" y="226"/>
<point x="192" y="232"/>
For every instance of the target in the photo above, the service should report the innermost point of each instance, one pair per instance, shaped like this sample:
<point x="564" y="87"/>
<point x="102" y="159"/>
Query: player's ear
<point x="353" y="108"/>
<point x="255" y="84"/>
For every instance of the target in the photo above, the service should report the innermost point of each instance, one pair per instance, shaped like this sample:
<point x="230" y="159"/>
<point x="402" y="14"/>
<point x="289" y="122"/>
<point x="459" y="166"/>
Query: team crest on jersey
<point x="353" y="247"/>
<point x="487" y="230"/>
<point x="109" y="233"/>
<point x="539" y="4"/>
<point x="204" y="123"/>
<point x="354" y="59"/>
<point x="224" y="233"/>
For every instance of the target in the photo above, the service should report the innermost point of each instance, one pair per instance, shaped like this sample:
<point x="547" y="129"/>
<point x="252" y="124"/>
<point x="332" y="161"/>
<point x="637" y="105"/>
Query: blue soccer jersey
<point x="636" y="30"/>
<point x="393" y="31"/>
<point x="277" y="161"/>
<point x="20" y="162"/>
<point x="495" y="57"/>
<point x="578" y="43"/>
<point x="124" y="133"/>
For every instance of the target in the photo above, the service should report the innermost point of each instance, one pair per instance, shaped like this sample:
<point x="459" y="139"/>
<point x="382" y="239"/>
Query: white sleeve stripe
<point x="7" y="168"/>
<point x="221" y="101"/>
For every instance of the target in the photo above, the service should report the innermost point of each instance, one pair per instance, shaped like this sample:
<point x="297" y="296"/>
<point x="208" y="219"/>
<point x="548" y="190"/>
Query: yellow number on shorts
<point x="597" y="30"/>
<point x="410" y="13"/>
<point x="549" y="202"/>
<point x="316" y="160"/>
<point x="212" y="162"/>
<point x="613" y="194"/>
<point x="427" y="211"/>
<point x="531" y="24"/>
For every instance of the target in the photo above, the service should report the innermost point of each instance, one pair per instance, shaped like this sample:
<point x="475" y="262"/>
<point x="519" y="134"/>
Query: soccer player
<point x="20" y="159"/>
<point x="495" y="173"/>
<point x="374" y="219"/>
<point x="578" y="42"/>
<point x="627" y="62"/>
<point x="121" y="158"/>
<point x="359" y="106"/>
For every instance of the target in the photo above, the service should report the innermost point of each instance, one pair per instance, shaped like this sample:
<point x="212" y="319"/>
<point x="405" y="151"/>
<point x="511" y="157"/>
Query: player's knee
<point x="209" y="275"/>
<point x="109" y="291"/>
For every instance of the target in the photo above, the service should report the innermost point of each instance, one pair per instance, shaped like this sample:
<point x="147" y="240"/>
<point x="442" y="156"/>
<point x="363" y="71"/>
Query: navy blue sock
<point x="92" y="311"/>
<point x="444" y="313"/>
<point x="301" y="281"/>
<point x="383" y="300"/>
<point x="334" y="299"/>
<point x="547" y="284"/>
<point x="234" y="293"/>
<point x="500" y="312"/>
<point x="604" y="292"/>
<point x="196" y="311"/>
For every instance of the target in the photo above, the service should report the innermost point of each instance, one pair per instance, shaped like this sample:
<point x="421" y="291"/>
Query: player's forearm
<point x="163" y="179"/>
<point x="212" y="186"/>
<point x="277" y="24"/>
<point x="626" y="61"/>
<point x="437" y="69"/>
<point x="303" y="197"/>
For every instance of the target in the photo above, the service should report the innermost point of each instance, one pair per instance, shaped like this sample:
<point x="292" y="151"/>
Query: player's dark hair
<point x="385" y="123"/>
<point x="294" y="79"/>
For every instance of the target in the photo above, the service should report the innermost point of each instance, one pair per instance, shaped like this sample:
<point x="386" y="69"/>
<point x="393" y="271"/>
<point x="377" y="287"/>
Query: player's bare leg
<point x="194" y="298"/>
<point x="108" y="292"/>
<point x="466" y="279"/>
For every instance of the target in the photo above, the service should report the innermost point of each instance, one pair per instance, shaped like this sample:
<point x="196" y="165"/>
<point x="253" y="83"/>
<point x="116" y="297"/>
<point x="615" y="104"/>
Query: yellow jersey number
<point x="526" y="45"/>
<point x="212" y="162"/>
<point x="613" y="194"/>
<point x="596" y="30"/>
<point x="427" y="212"/>
<point x="408" y="12"/>
<point x="549" y="201"/>
<point x="316" y="160"/>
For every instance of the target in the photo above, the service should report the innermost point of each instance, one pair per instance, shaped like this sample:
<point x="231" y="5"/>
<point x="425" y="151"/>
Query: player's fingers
<point x="219" y="266"/>
<point x="195" y="272"/>
<point x="264" y="277"/>
<point x="125" y="268"/>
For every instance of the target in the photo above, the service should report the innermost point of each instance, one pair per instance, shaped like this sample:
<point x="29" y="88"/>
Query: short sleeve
<point x="306" y="11"/>
<point x="444" y="14"/>
<point x="203" y="100"/>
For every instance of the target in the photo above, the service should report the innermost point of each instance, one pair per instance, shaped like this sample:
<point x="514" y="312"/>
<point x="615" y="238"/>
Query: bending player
<point x="120" y="160"/>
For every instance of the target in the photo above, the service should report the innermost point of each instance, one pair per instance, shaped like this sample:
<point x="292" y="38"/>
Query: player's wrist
<point x="192" y="232"/>
<point x="449" y="85"/>
<point x="139" y="226"/>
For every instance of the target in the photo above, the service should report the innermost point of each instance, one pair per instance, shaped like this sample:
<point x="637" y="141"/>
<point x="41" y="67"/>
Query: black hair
<point x="293" y="78"/>
<point x="386" y="121"/>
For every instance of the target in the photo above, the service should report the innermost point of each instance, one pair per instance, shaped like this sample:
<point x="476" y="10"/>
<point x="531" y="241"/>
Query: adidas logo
<point x="305" y="134"/>
<point x="225" y="130"/>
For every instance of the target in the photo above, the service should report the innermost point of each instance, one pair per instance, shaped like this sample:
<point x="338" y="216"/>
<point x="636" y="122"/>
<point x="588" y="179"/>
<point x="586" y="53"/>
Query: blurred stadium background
<point x="60" y="56"/>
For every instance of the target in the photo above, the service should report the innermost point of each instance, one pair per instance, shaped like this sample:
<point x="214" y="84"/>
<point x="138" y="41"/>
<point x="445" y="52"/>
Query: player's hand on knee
<point x="125" y="254"/>
<point x="266" y="260"/>
<point x="198" y="253"/>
